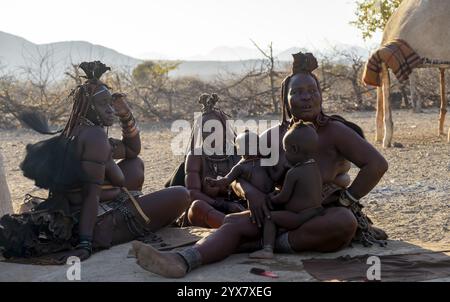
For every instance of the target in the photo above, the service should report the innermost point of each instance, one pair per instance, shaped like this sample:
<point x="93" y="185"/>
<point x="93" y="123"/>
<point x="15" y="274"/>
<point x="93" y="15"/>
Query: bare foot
<point x="169" y="265"/>
<point x="262" y="254"/>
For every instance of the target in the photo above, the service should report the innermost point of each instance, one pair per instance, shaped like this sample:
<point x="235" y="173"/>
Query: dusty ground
<point x="412" y="201"/>
<point x="288" y="268"/>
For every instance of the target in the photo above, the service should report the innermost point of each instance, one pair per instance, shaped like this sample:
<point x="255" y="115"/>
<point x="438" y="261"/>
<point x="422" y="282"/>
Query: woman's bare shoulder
<point x="271" y="134"/>
<point x="94" y="138"/>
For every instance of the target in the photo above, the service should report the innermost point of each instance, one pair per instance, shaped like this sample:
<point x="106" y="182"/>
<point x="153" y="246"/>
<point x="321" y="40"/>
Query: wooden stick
<point x="443" y="110"/>
<point x="5" y="196"/>
<point x="388" y="123"/>
<point x="379" y="116"/>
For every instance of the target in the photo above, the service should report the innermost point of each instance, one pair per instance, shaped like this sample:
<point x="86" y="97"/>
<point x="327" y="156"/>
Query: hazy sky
<point x="182" y="28"/>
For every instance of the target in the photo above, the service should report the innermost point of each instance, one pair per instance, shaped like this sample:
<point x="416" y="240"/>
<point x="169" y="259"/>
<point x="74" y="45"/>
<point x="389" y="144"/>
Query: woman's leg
<point x="236" y="229"/>
<point x="133" y="170"/>
<point x="164" y="206"/>
<point x="327" y="233"/>
<point x="202" y="214"/>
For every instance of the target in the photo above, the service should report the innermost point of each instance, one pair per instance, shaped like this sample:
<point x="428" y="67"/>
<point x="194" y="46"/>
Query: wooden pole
<point x="443" y="111"/>
<point x="5" y="197"/>
<point x="388" y="123"/>
<point x="379" y="116"/>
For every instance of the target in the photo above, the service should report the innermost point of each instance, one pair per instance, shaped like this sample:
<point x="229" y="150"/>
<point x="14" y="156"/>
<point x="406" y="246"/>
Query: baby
<point x="249" y="167"/>
<point x="301" y="194"/>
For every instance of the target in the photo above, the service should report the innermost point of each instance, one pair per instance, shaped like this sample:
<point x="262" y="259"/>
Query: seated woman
<point x="331" y="231"/>
<point x="93" y="202"/>
<point x="210" y="203"/>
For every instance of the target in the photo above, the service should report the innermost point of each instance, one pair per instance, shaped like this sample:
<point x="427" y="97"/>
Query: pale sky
<point x="180" y="29"/>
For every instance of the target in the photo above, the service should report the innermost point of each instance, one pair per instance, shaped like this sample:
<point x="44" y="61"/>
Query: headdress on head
<point x="209" y="107"/>
<point x="83" y="94"/>
<point x="304" y="63"/>
<point x="208" y="102"/>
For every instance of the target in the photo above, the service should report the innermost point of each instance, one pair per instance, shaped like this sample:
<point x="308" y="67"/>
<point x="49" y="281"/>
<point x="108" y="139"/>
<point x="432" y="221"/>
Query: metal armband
<point x="346" y="199"/>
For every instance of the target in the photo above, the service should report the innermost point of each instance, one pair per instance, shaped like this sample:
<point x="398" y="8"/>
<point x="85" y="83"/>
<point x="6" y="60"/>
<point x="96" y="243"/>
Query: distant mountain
<point x="151" y="55"/>
<point x="16" y="53"/>
<point x="208" y="70"/>
<point x="11" y="49"/>
<point x="225" y="53"/>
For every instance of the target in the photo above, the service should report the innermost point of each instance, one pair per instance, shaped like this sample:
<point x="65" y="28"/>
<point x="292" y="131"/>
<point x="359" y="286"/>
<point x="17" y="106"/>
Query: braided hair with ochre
<point x="83" y="94"/>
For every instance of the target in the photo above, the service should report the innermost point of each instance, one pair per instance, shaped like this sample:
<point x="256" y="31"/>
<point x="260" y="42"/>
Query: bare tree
<point x="10" y="92"/>
<point x="44" y="92"/>
<point x="341" y="73"/>
<point x="354" y="74"/>
<point x="73" y="73"/>
<point x="270" y="66"/>
<point x="247" y="92"/>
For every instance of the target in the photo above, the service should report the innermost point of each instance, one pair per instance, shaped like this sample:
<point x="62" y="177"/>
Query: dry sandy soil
<point x="412" y="201"/>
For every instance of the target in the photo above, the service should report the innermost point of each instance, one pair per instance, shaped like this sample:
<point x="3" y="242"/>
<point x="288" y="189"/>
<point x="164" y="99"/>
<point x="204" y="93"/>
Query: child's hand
<point x="221" y="183"/>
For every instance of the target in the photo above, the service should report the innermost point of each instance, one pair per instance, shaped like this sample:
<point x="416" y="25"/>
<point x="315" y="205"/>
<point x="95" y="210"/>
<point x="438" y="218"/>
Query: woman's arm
<point x="193" y="180"/>
<point x="371" y="163"/>
<point x="224" y="182"/>
<point x="96" y="152"/>
<point x="256" y="200"/>
<point x="130" y="145"/>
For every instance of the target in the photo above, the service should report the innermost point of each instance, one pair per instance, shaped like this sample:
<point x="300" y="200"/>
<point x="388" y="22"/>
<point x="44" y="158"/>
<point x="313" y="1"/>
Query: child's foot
<point x="262" y="254"/>
<point x="169" y="265"/>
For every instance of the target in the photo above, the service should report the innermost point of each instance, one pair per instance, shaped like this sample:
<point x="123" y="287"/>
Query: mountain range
<point x="17" y="54"/>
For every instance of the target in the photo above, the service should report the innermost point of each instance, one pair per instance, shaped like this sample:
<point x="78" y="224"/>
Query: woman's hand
<point x="256" y="200"/>
<point x="270" y="199"/>
<point x="120" y="105"/>
<point x="272" y="195"/>
<point x="258" y="206"/>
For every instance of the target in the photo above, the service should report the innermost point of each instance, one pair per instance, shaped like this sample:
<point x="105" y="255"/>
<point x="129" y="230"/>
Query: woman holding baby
<point x="339" y="144"/>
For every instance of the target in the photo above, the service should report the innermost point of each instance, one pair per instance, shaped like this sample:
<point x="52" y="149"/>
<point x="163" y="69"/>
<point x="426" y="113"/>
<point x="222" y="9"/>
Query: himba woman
<point x="340" y="143"/>
<point x="94" y="202"/>
<point x="210" y="204"/>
